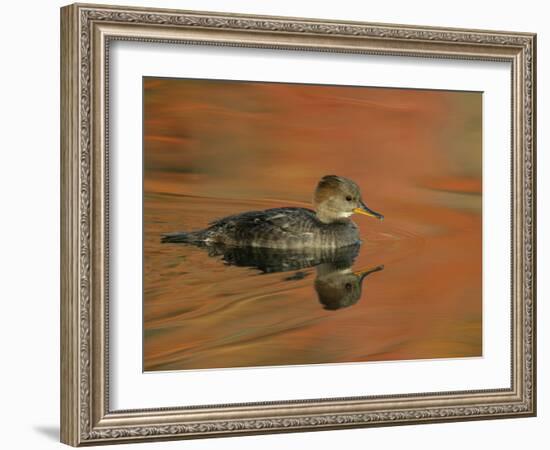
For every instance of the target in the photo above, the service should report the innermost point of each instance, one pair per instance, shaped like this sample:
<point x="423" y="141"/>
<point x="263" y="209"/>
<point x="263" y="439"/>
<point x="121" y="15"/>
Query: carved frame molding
<point x="86" y="33"/>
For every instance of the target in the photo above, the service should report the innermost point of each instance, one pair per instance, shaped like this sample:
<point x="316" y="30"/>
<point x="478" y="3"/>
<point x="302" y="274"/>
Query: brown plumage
<point x="335" y="200"/>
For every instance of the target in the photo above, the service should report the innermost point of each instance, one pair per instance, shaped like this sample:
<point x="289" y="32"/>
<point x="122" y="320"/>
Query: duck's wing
<point x="279" y="217"/>
<point x="271" y="225"/>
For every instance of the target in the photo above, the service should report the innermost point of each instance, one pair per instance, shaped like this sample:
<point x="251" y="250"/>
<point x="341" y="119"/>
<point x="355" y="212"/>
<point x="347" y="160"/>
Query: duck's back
<point x="280" y="228"/>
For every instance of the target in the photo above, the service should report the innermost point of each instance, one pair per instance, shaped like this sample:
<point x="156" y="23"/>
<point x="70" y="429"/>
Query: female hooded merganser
<point x="335" y="200"/>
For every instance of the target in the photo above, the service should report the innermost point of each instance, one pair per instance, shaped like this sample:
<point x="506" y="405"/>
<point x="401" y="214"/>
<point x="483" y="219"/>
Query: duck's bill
<point x="367" y="271"/>
<point x="366" y="211"/>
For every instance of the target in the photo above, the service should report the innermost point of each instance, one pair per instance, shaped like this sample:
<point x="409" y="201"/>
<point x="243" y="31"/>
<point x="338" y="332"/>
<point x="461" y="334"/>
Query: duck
<point x="327" y="225"/>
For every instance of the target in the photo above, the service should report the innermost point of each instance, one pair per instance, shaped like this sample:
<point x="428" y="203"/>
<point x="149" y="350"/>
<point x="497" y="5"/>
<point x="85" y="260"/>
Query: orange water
<point x="219" y="148"/>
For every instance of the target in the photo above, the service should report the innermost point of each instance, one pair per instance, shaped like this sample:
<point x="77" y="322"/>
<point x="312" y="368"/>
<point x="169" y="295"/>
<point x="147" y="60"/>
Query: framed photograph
<point x="275" y="224"/>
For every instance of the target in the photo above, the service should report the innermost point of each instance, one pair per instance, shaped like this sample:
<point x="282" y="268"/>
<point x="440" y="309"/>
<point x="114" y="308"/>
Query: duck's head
<point x="341" y="288"/>
<point x="337" y="198"/>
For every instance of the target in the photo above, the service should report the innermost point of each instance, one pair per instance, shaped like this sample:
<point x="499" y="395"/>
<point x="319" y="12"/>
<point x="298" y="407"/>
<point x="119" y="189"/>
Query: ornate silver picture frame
<point x="87" y="33"/>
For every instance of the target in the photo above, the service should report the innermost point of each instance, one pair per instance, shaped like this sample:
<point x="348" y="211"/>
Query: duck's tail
<point x="191" y="237"/>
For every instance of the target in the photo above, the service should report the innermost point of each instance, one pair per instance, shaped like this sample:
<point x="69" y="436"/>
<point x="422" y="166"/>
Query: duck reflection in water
<point x="339" y="288"/>
<point x="336" y="283"/>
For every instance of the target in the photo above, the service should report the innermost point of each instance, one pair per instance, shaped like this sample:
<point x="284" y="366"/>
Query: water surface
<point x="218" y="148"/>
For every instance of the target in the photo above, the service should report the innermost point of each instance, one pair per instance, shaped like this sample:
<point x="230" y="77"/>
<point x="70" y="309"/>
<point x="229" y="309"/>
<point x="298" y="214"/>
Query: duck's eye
<point x="348" y="286"/>
<point x="348" y="198"/>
